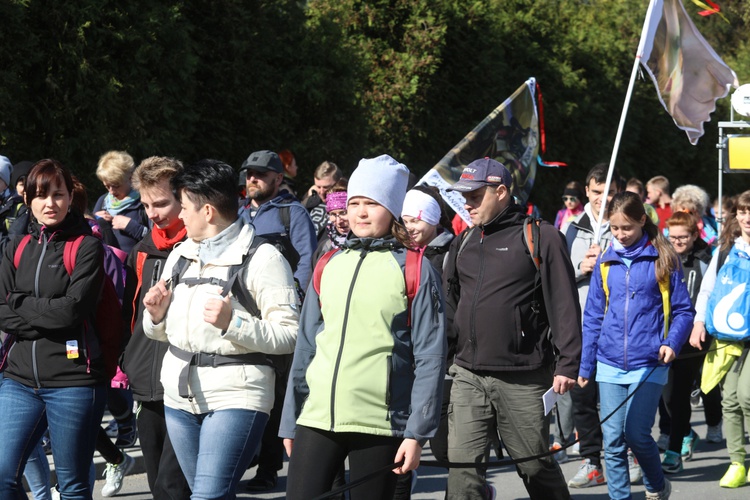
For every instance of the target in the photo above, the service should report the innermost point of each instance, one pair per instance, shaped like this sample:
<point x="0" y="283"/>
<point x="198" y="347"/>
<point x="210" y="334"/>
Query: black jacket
<point x="46" y="309"/>
<point x="143" y="356"/>
<point x="498" y="327"/>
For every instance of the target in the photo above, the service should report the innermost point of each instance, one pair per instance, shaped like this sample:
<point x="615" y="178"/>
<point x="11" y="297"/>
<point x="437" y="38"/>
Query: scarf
<point x="336" y="238"/>
<point x="163" y="242"/>
<point x="113" y="206"/>
<point x="633" y="250"/>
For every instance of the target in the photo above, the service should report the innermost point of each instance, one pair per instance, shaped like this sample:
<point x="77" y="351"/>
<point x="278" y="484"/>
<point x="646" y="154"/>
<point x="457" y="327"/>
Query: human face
<point x="291" y="169"/>
<point x="118" y="190"/>
<point x="368" y="218"/>
<point x="743" y="218"/>
<point x="323" y="185"/>
<point x="595" y="194"/>
<point x="162" y="208"/>
<point x="421" y="232"/>
<point x="571" y="202"/>
<point x="262" y="186"/>
<point x="485" y="203"/>
<point x="20" y="187"/>
<point x="195" y="218"/>
<point x="340" y="220"/>
<point x="52" y="209"/>
<point x="682" y="239"/>
<point x="626" y="230"/>
<point x="653" y="194"/>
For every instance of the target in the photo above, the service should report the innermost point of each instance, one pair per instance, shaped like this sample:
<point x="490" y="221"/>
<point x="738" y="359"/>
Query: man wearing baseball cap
<point x="510" y="320"/>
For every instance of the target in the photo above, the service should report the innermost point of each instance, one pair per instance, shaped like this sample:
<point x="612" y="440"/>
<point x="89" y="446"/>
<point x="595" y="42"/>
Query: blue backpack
<point x="728" y="308"/>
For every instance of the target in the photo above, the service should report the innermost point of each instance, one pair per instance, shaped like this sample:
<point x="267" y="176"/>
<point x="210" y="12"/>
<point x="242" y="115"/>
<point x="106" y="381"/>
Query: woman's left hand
<point x="120" y="222"/>
<point x="666" y="354"/>
<point x="218" y="312"/>
<point x="410" y="452"/>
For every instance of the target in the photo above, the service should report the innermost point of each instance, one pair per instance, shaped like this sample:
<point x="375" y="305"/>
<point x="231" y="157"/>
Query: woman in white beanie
<point x="367" y="375"/>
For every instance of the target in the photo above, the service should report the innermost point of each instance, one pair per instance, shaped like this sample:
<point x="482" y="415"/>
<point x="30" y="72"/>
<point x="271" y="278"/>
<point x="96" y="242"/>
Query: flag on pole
<point x="509" y="134"/>
<point x="688" y="74"/>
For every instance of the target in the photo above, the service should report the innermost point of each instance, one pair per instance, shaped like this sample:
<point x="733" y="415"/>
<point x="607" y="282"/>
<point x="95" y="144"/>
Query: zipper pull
<point x="481" y="237"/>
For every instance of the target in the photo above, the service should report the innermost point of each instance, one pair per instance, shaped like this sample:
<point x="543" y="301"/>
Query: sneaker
<point x="574" y="450"/>
<point x="491" y="492"/>
<point x="634" y="469"/>
<point x="688" y="445"/>
<point x="263" y="481"/>
<point x="127" y="434"/>
<point x="560" y="455"/>
<point x="660" y="495"/>
<point x="588" y="475"/>
<point x="114" y="473"/>
<point x="111" y="428"/>
<point x="714" y="434"/>
<point x="54" y="493"/>
<point x="663" y="442"/>
<point x="672" y="462"/>
<point x="734" y="477"/>
<point x="695" y="399"/>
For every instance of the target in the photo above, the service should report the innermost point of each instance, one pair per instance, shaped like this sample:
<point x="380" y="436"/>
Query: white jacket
<point x="270" y="282"/>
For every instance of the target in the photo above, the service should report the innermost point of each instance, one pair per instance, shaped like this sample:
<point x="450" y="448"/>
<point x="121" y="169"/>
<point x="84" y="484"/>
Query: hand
<point x="589" y="260"/>
<point x="119" y="222"/>
<point x="698" y="335"/>
<point x="288" y="443"/>
<point x="410" y="452"/>
<point x="562" y="384"/>
<point x="218" y="312"/>
<point x="156" y="301"/>
<point x="103" y="214"/>
<point x="582" y="382"/>
<point x="666" y="354"/>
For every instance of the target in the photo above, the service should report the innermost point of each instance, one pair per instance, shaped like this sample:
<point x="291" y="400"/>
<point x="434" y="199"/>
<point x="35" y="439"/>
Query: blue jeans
<point x="73" y="415"/>
<point x="215" y="448"/>
<point x="630" y="428"/>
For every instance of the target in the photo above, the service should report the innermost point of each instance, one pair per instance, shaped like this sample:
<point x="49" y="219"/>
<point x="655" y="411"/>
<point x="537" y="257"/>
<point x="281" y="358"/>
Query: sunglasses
<point x="570" y="198"/>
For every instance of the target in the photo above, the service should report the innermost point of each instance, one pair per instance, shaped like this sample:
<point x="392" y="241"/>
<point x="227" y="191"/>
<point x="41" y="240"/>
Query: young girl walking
<point x="366" y="380"/>
<point x="637" y="317"/>
<point x="722" y="310"/>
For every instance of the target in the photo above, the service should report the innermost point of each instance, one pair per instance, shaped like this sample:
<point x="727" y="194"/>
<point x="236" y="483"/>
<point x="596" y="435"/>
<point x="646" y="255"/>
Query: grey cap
<point x="263" y="161"/>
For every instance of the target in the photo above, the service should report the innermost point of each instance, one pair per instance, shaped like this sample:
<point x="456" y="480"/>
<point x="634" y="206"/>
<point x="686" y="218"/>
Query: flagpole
<point x="624" y="114"/>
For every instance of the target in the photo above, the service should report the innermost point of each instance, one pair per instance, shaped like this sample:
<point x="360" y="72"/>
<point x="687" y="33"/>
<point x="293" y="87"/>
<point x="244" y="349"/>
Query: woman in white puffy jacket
<point x="217" y="376"/>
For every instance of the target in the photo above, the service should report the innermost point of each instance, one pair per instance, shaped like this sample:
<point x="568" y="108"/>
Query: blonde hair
<point x="115" y="167"/>
<point x="153" y="170"/>
<point x="660" y="182"/>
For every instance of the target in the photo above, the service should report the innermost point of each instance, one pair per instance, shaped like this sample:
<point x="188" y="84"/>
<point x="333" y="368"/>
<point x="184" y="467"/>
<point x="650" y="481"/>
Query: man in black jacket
<point x="143" y="356"/>
<point x="503" y="312"/>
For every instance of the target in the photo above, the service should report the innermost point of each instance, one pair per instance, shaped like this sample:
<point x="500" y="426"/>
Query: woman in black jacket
<point x="54" y="371"/>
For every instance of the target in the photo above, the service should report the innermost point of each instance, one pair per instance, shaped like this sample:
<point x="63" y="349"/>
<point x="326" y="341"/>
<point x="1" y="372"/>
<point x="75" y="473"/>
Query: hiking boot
<point x="714" y="434"/>
<point x="588" y="475"/>
<point x="672" y="462"/>
<point x="688" y="445"/>
<point x="663" y="442"/>
<point x="560" y="455"/>
<point x="263" y="481"/>
<point x="734" y="477"/>
<point x="114" y="473"/>
<point x="660" y="495"/>
<point x="634" y="469"/>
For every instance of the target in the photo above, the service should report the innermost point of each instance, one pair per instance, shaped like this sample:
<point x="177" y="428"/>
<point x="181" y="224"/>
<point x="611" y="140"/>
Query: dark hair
<point x="339" y="187"/>
<point x="599" y="173"/>
<point x="80" y="199"/>
<point x="631" y="205"/>
<point x="209" y="182"/>
<point x="42" y="175"/>
<point x="730" y="231"/>
<point x="445" y="221"/>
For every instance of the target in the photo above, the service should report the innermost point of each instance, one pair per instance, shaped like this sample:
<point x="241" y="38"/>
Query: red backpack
<point x="107" y="320"/>
<point x="412" y="275"/>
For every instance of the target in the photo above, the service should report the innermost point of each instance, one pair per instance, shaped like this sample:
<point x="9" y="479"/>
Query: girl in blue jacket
<point x="638" y="315"/>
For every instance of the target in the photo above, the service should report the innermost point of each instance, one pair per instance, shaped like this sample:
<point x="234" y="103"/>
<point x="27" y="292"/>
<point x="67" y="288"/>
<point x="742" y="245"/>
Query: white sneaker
<point x="634" y="470"/>
<point x="114" y="473"/>
<point x="714" y="434"/>
<point x="54" y="493"/>
<point x="588" y="475"/>
<point x="660" y="495"/>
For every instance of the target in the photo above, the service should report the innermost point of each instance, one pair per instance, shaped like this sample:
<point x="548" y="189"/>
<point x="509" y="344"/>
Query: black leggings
<point x="317" y="455"/>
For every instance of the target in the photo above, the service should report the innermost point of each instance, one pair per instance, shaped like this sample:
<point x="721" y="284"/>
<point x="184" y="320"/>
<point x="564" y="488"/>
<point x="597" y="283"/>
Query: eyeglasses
<point x="570" y="198"/>
<point x="341" y="215"/>
<point x="679" y="239"/>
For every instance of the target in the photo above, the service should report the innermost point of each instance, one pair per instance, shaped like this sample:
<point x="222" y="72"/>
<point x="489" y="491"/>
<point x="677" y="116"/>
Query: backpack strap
<point x="140" y="260"/>
<point x="412" y="276"/>
<point x="531" y="238"/>
<point x="319" y="266"/>
<point x="604" y="268"/>
<point x="286" y="218"/>
<point x="70" y="252"/>
<point x="19" y="250"/>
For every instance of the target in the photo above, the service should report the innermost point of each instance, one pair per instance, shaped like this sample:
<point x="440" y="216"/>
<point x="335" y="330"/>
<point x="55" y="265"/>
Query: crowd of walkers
<point x="225" y="319"/>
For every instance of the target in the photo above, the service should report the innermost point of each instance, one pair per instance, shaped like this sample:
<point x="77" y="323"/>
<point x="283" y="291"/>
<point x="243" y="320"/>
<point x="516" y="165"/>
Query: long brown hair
<point x="730" y="231"/>
<point x="630" y="205"/>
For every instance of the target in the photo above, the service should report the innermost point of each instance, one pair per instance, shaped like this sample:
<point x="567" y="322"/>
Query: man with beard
<point x="272" y="211"/>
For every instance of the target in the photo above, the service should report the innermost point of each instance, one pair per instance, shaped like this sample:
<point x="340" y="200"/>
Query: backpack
<point x="107" y="319"/>
<point x="664" y="290"/>
<point x="412" y="275"/>
<point x="728" y="306"/>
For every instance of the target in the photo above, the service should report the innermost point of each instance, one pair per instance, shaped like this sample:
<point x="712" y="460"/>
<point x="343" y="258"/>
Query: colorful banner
<point x="510" y="134"/>
<point x="688" y="74"/>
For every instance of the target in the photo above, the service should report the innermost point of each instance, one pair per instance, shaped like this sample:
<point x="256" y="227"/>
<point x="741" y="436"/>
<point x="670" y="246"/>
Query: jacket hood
<point x="74" y="224"/>
<point x="443" y="239"/>
<point x="371" y="244"/>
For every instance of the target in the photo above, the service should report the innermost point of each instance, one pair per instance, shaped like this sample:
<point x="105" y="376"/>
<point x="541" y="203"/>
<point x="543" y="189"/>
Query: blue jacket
<point x="267" y="220"/>
<point x="631" y="331"/>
